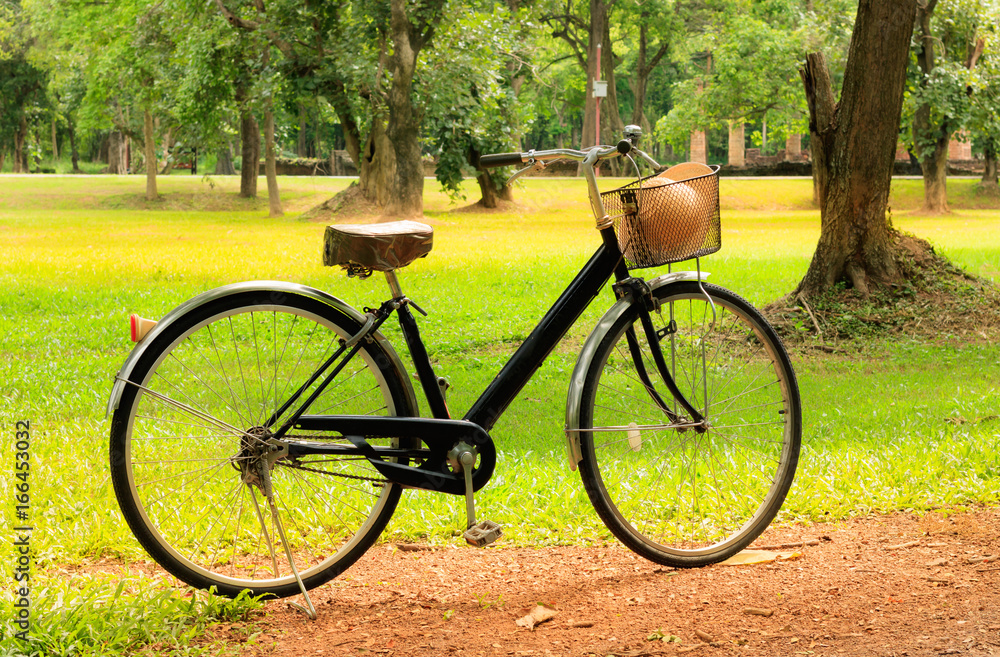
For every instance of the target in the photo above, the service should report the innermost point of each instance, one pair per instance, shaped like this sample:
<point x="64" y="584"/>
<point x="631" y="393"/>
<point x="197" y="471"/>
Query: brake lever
<point x="537" y="165"/>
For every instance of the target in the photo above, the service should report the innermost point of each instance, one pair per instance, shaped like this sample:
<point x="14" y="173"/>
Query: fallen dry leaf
<point x="538" y="615"/>
<point x="757" y="611"/>
<point x="749" y="557"/>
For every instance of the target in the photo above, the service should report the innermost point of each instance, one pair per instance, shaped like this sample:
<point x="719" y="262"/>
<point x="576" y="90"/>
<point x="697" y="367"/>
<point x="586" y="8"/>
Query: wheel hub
<point x="256" y="447"/>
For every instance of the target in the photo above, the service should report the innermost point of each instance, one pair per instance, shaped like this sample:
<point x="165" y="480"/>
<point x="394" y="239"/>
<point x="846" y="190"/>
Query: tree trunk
<point x="598" y="19"/>
<point x="408" y="38"/>
<point x="930" y="137"/>
<point x="3" y="157"/>
<point x="149" y="139"/>
<point x="224" y="162"/>
<point x="490" y="194"/>
<point x="117" y="160"/>
<point x="378" y="164"/>
<point x="934" y="166"/>
<point x="168" y="160"/>
<point x="20" y="137"/>
<point x="990" y="164"/>
<point x="854" y="145"/>
<point x="55" y="143"/>
<point x="300" y="148"/>
<point x="644" y="68"/>
<point x="270" y="168"/>
<point x="74" y="155"/>
<point x="250" y="169"/>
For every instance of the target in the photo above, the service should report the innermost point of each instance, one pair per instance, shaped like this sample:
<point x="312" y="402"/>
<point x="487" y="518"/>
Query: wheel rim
<point x="187" y="464"/>
<point x="682" y="491"/>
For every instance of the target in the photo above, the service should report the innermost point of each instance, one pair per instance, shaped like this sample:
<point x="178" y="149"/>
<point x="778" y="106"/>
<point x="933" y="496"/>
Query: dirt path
<point x="895" y="585"/>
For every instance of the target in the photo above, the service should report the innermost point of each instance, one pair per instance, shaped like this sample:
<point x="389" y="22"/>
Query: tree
<point x="259" y="36"/>
<point x="945" y="55"/>
<point x="583" y="29"/>
<point x="93" y="43"/>
<point x="22" y="85"/>
<point x="854" y="144"/>
<point x="984" y="119"/>
<point x="741" y="67"/>
<point x="411" y="28"/>
<point x="326" y="46"/>
<point x="470" y="104"/>
<point x="654" y="19"/>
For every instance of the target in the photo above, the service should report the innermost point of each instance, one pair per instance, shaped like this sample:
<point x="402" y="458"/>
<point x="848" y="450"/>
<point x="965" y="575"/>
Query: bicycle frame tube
<point x="561" y="316"/>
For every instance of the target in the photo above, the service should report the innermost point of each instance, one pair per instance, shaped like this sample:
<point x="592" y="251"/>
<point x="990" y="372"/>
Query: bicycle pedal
<point x="483" y="533"/>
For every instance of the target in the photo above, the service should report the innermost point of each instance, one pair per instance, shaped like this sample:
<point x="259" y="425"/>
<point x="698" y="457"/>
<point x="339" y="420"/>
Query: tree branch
<point x="235" y="20"/>
<point x="657" y="57"/>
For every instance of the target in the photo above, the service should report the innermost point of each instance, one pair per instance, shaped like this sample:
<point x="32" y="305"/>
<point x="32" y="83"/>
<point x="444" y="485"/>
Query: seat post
<point x="390" y="277"/>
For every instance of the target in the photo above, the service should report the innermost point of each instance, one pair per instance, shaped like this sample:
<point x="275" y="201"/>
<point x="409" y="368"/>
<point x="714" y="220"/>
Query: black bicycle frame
<point x="441" y="432"/>
<point x="550" y="330"/>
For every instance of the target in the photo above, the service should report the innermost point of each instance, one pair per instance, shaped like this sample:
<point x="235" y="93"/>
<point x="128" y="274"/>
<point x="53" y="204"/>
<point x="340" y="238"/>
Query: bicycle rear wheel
<point x="195" y="415"/>
<point x="675" y="495"/>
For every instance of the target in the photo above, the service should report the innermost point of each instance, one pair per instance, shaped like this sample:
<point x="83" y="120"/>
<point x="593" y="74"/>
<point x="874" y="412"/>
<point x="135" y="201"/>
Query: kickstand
<point x="309" y="610"/>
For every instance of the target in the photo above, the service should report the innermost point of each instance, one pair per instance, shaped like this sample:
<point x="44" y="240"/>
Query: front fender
<point x="574" y="398"/>
<point x="278" y="288"/>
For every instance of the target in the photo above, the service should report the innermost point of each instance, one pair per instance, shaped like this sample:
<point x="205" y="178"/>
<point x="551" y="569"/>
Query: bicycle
<point x="285" y="425"/>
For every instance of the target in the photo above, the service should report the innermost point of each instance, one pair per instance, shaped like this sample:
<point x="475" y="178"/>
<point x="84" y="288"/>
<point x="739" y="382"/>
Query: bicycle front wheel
<point x="189" y="437"/>
<point x="677" y="494"/>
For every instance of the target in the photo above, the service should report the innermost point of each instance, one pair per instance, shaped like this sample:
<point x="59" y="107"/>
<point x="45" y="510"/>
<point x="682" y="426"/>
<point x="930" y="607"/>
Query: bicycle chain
<point x="334" y="474"/>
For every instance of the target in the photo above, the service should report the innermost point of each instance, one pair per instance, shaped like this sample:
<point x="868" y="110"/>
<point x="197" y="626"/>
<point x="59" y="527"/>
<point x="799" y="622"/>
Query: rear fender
<point x="278" y="290"/>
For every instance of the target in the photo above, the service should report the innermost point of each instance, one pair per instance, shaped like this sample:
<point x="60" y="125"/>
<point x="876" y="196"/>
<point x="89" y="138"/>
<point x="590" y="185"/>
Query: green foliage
<point x="741" y="63"/>
<point x="940" y="94"/>
<point x="470" y="107"/>
<point x="22" y="84"/>
<point x="8" y="28"/>
<point x="742" y="67"/>
<point x="983" y="119"/>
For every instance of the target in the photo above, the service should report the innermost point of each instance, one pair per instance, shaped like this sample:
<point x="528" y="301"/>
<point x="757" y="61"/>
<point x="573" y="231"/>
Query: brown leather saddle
<point x="364" y="248"/>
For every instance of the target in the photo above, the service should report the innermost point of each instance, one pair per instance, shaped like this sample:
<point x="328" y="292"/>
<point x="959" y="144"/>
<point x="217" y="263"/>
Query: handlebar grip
<point x="500" y="160"/>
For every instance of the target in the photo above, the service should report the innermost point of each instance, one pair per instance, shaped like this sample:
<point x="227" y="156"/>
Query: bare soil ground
<point x="878" y="585"/>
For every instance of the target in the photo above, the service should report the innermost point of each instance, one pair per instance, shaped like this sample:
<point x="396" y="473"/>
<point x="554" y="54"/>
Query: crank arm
<point x="439" y="435"/>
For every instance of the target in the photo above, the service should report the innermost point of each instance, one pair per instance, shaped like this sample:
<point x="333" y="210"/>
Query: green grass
<point x="123" y="613"/>
<point x="896" y="426"/>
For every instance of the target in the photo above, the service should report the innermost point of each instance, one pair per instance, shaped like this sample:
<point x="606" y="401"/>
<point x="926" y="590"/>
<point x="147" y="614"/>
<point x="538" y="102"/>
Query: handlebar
<point x="591" y="158"/>
<point x="500" y="160"/>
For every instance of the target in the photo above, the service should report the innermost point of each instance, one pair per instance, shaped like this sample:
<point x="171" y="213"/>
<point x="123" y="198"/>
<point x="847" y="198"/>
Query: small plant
<point x="483" y="599"/>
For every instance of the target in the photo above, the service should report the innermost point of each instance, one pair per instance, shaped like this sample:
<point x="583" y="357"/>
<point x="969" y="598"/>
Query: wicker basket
<point x="659" y="219"/>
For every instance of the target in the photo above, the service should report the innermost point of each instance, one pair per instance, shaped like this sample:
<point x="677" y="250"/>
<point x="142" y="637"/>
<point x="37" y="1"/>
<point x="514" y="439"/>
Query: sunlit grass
<point x="111" y="613"/>
<point x="898" y="426"/>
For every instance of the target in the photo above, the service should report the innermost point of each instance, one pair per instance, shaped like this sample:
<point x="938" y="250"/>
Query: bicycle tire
<point x="198" y="397"/>
<point x="676" y="496"/>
